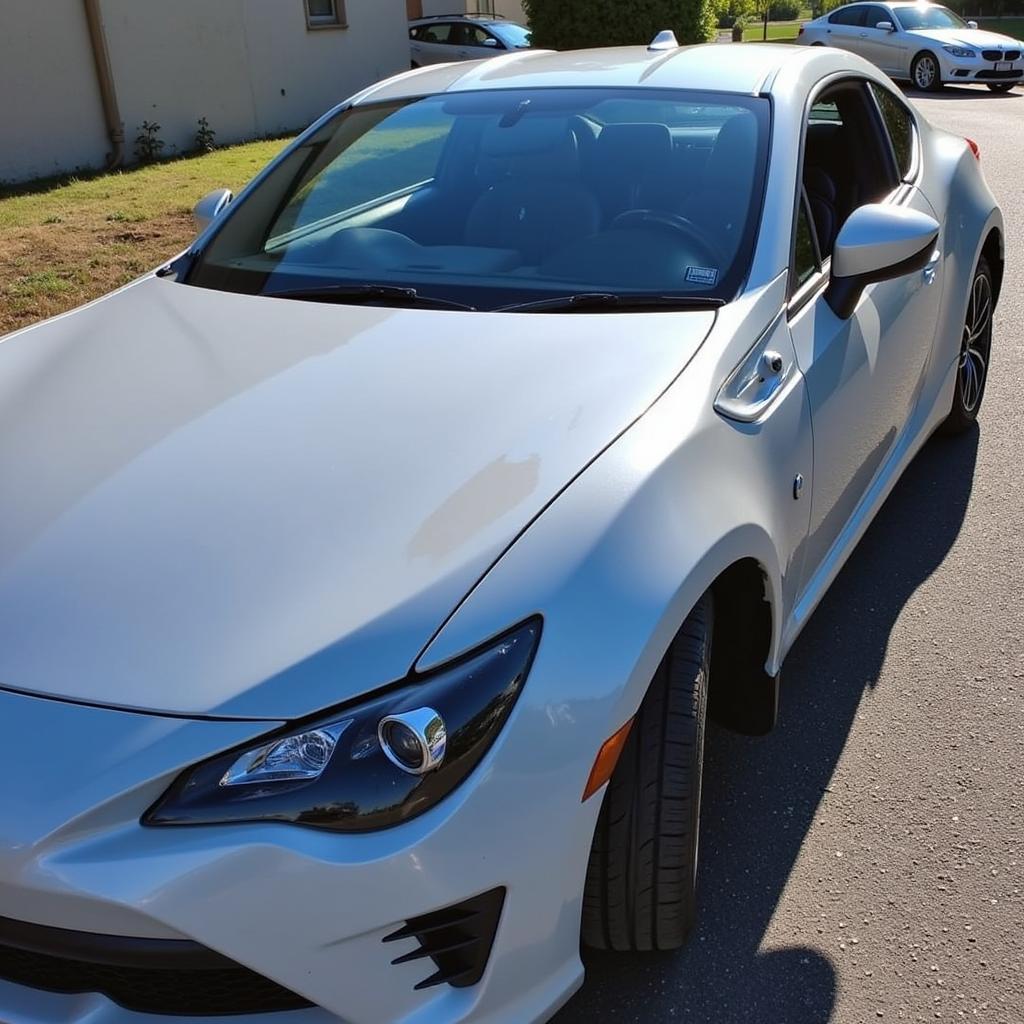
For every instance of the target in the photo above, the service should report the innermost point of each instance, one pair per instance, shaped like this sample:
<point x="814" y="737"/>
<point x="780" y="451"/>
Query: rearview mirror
<point x="210" y="207"/>
<point x="972" y="24"/>
<point x="878" y="242"/>
<point x="491" y="42"/>
<point x="886" y="26"/>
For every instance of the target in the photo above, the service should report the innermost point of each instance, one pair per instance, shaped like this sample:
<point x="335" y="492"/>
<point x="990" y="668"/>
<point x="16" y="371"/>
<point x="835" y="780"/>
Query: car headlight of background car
<point x="370" y="765"/>
<point x="959" y="51"/>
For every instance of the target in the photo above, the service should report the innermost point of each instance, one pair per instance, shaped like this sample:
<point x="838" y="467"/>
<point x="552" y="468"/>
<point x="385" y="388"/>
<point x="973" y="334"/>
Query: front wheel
<point x="975" y="351"/>
<point x="640" y="891"/>
<point x="925" y="73"/>
<point x="1000" y="86"/>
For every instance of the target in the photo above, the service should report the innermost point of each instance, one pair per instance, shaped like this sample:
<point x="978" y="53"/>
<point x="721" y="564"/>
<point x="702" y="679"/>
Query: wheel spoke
<point x="967" y="385"/>
<point x="974" y="353"/>
<point x="981" y="316"/>
<point x="978" y="359"/>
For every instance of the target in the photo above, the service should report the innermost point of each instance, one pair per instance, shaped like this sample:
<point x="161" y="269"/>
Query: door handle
<point x="758" y="380"/>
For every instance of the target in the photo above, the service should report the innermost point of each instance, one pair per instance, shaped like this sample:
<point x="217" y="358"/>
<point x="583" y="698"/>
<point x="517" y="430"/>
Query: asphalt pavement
<point x="864" y="862"/>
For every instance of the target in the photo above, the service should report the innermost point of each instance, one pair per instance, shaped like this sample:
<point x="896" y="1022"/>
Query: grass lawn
<point x="65" y="242"/>
<point x="778" y="31"/>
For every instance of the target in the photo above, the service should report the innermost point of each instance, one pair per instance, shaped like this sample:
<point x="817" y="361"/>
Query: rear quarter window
<point x="899" y="124"/>
<point x="848" y="16"/>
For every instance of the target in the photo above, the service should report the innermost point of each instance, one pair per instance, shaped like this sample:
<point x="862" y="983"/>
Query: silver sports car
<point x="367" y="573"/>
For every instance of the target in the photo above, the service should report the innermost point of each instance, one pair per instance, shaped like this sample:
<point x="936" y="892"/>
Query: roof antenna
<point x="664" y="40"/>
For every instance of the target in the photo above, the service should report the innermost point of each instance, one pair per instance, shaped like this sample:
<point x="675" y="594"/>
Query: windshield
<point x="511" y="34"/>
<point x="490" y="199"/>
<point x="927" y="16"/>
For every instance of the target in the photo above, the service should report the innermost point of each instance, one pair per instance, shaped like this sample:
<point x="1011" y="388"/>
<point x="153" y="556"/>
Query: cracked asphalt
<point x="864" y="862"/>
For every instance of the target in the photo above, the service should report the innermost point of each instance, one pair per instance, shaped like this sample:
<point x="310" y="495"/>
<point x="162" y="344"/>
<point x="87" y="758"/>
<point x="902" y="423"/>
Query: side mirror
<point x="491" y="42"/>
<point x="877" y="243"/>
<point x="210" y="207"/>
<point x="972" y="24"/>
<point x="886" y="26"/>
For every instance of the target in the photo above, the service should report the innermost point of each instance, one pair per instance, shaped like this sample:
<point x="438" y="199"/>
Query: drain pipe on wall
<point x="105" y="81"/>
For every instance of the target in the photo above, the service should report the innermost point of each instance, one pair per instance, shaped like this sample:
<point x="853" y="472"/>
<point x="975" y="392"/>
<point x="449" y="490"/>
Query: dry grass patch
<point x="64" y="243"/>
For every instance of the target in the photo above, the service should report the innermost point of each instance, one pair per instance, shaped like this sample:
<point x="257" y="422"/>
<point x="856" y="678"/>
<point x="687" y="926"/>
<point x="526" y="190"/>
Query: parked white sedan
<point x="924" y="43"/>
<point x="448" y="38"/>
<point x="367" y="573"/>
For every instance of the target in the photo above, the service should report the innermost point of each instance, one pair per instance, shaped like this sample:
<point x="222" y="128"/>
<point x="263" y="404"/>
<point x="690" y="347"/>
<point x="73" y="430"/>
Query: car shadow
<point x="761" y="795"/>
<point x="958" y="92"/>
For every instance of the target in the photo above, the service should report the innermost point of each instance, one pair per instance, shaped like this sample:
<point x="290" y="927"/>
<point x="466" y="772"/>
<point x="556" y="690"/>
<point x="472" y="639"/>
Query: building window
<point x="325" y="14"/>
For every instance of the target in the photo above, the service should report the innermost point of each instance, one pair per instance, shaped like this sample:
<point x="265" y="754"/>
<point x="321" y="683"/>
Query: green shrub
<point x="785" y="10"/>
<point x="576" y="24"/>
<point x="742" y="11"/>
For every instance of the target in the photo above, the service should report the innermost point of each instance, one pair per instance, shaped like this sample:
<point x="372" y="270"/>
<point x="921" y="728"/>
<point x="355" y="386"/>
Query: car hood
<point x="227" y="505"/>
<point x="971" y="38"/>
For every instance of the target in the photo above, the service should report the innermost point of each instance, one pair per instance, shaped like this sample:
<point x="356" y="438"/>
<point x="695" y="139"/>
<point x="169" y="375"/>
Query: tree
<point x="577" y="24"/>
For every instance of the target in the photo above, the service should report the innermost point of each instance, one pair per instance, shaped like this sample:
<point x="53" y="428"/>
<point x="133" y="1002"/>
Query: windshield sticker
<point x="706" y="276"/>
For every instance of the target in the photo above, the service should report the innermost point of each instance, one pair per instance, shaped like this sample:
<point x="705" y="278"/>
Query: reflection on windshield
<point x="929" y="17"/>
<point x="495" y="198"/>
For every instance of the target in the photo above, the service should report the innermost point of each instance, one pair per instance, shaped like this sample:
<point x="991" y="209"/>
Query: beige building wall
<point x="250" y="67"/>
<point x="51" y="118"/>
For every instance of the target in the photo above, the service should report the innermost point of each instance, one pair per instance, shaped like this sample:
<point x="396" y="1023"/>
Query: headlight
<point x="371" y="765"/>
<point x="959" y="51"/>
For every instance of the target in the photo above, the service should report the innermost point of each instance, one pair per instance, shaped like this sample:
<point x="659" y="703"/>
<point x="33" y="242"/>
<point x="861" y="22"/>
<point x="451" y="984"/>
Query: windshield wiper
<point x="590" y="301"/>
<point x="386" y="294"/>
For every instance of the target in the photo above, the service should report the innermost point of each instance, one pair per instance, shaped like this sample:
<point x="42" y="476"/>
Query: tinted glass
<point x="848" y="16"/>
<point x="900" y="126"/>
<point x="474" y="35"/>
<point x="512" y="35"/>
<point x="873" y="15"/>
<point x="435" y="33"/>
<point x="492" y="198"/>
<point x="805" y="259"/>
<point x="927" y="16"/>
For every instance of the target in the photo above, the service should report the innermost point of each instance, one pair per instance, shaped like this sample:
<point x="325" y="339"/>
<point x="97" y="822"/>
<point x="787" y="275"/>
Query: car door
<point x="845" y="28"/>
<point x="882" y="46"/>
<point x="863" y="374"/>
<point x="433" y="43"/>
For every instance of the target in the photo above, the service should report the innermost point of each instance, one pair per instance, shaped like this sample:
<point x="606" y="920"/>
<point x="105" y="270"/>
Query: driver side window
<point x="846" y="163"/>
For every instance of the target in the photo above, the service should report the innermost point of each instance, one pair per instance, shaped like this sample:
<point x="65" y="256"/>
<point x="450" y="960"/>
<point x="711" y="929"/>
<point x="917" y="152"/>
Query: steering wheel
<point x="673" y="222"/>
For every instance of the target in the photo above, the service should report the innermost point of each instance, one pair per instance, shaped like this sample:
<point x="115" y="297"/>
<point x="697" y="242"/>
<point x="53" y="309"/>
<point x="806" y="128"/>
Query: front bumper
<point x="979" y="70"/>
<point x="306" y="909"/>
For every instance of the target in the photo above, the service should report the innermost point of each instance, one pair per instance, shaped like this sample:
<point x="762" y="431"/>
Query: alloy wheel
<point x="977" y="343"/>
<point x="925" y="72"/>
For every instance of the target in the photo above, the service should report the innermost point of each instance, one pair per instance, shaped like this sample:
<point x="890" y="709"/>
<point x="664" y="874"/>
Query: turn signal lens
<point x="974" y="149"/>
<point x="606" y="760"/>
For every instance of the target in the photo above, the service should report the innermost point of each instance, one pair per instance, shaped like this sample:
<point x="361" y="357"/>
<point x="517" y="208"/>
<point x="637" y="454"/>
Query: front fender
<point x="617" y="561"/>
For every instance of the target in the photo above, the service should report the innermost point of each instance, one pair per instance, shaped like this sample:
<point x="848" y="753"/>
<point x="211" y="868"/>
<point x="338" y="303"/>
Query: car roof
<point x="721" y="67"/>
<point x="887" y="3"/>
<point x="484" y="19"/>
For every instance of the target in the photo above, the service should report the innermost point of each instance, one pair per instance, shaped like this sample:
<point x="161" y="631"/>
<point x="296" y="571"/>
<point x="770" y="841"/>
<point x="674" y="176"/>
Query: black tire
<point x="975" y="353"/>
<point x="640" y="891"/>
<point x="1000" y="86"/>
<point x="917" y="72"/>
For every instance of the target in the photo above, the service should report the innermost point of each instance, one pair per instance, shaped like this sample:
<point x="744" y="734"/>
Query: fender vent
<point x="458" y="939"/>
